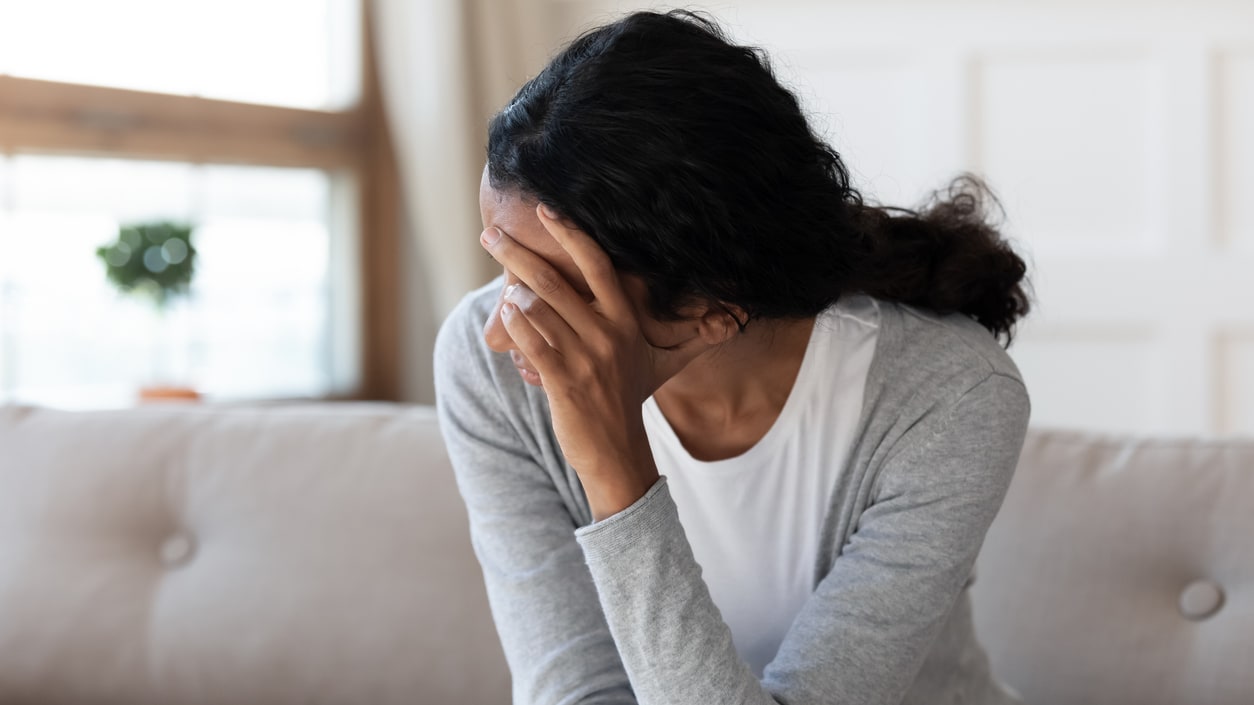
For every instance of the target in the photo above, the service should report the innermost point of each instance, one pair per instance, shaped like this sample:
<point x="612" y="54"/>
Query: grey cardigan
<point x="617" y="612"/>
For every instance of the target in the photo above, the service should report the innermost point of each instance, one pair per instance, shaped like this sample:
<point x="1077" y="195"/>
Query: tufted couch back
<point x="189" y="556"/>
<point x="293" y="555"/>
<point x="1121" y="571"/>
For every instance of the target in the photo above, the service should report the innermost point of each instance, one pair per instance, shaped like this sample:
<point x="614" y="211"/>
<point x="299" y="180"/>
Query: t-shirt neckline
<point x="783" y="423"/>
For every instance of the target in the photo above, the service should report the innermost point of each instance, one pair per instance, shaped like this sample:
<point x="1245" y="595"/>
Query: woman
<point x="725" y="433"/>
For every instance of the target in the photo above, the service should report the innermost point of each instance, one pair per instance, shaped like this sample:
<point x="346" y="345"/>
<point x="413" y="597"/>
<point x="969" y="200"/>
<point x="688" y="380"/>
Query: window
<point x="294" y="53"/>
<point x="254" y="122"/>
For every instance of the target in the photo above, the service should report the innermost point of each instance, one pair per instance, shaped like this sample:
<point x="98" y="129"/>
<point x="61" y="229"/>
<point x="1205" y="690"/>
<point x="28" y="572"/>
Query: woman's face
<point x="517" y="219"/>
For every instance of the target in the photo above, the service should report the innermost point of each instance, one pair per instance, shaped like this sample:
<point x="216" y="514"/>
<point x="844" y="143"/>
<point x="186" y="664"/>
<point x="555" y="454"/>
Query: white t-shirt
<point x="753" y="521"/>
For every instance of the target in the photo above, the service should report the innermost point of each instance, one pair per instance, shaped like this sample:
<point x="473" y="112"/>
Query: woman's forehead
<point x="517" y="218"/>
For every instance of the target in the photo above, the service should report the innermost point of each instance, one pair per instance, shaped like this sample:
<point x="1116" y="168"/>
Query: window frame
<point x="50" y="117"/>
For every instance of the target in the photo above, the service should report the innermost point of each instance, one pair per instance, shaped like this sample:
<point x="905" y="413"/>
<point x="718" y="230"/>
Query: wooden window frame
<point x="65" y="118"/>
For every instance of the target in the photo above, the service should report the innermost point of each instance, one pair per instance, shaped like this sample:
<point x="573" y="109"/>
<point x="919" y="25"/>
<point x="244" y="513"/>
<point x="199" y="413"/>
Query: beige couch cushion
<point x="1122" y="571"/>
<point x="289" y="555"/>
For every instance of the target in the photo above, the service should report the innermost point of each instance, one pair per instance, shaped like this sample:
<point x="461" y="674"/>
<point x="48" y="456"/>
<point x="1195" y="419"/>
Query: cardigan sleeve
<point x="543" y="601"/>
<point x="862" y="636"/>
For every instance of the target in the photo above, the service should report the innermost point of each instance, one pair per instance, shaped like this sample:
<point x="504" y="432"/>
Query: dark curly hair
<point x="688" y="162"/>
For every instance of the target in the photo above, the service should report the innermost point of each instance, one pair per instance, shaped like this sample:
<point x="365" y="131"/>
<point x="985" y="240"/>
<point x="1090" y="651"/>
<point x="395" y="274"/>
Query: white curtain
<point x="445" y="66"/>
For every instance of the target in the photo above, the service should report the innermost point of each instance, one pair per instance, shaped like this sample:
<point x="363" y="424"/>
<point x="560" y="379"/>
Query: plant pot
<point x="163" y="394"/>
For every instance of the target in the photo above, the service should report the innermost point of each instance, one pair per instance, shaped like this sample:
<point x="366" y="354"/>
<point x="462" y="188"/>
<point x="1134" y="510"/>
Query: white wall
<point x="1121" y="138"/>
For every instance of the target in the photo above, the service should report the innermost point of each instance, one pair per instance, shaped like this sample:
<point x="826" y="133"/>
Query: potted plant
<point x="155" y="261"/>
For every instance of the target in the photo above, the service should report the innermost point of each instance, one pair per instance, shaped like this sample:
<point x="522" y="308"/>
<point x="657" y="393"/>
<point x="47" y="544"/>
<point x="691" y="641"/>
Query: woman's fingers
<point x="530" y="341"/>
<point x="539" y="275"/>
<point x="592" y="261"/>
<point x="556" y="332"/>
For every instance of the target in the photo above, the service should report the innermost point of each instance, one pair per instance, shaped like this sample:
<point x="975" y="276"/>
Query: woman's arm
<point x="544" y="603"/>
<point x="862" y="636"/>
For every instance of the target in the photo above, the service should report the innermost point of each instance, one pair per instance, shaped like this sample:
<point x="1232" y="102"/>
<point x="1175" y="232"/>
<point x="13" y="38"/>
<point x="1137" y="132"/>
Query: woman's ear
<point x="720" y="323"/>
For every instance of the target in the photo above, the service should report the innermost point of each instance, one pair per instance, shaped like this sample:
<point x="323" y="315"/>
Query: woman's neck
<point x="724" y="401"/>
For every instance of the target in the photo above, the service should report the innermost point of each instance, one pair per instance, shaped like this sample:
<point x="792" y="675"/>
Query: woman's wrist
<point x="620" y="484"/>
<point x="607" y="500"/>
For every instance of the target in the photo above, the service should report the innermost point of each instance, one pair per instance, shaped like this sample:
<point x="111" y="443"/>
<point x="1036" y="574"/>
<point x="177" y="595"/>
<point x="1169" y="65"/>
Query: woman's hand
<point x="595" y="364"/>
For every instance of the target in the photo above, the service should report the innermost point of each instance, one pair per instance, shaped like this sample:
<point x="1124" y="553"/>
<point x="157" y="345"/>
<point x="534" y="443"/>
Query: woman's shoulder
<point x="942" y="345"/>
<point x="942" y="385"/>
<point x="463" y="361"/>
<point x="459" y="345"/>
<point x="926" y="362"/>
<point x="496" y="427"/>
<point x="461" y="331"/>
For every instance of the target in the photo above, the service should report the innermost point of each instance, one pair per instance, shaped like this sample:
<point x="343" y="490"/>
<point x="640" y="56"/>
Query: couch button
<point x="177" y="550"/>
<point x="1200" y="599"/>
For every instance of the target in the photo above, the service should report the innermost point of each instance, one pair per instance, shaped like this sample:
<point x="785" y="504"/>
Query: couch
<point x="1121" y="571"/>
<point x="319" y="554"/>
<point x="172" y="555"/>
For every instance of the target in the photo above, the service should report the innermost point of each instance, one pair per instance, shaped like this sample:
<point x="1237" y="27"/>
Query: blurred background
<point x="325" y="157"/>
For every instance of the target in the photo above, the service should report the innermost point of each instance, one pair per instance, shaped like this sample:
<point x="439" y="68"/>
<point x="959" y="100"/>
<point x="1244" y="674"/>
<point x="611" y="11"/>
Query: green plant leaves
<point x="154" y="259"/>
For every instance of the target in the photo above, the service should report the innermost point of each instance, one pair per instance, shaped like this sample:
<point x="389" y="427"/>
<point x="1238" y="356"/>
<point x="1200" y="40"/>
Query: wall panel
<point x="1044" y="120"/>
<point x="1234" y="147"/>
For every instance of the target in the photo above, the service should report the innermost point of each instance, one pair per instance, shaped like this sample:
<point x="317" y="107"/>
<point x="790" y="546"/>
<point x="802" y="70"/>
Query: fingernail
<point x="548" y="212"/>
<point x="490" y="236"/>
<point x="510" y="291"/>
<point x="508" y="310"/>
